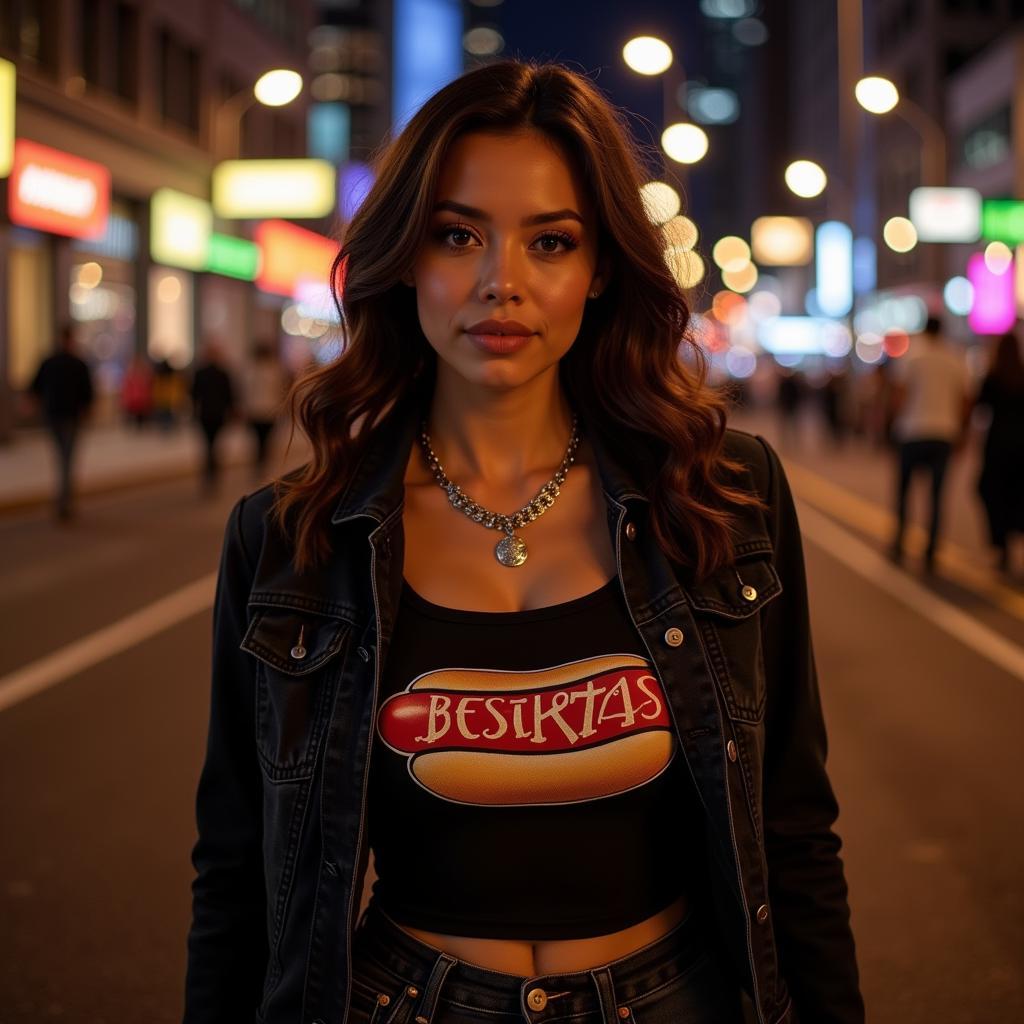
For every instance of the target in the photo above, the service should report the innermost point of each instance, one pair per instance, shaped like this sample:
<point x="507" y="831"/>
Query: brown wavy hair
<point x="634" y="368"/>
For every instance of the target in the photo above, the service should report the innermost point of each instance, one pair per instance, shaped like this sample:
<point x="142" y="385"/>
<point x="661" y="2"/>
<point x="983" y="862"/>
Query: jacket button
<point x="730" y="749"/>
<point x="413" y="991"/>
<point x="623" y="1012"/>
<point x="298" y="652"/>
<point x="749" y="593"/>
<point x="363" y="653"/>
<point x="630" y="531"/>
<point x="384" y="999"/>
<point x="674" y="636"/>
<point x="762" y="913"/>
<point x="536" y="999"/>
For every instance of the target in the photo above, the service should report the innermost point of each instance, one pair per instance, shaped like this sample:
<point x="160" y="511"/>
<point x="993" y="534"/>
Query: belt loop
<point x="606" y="995"/>
<point x="432" y="990"/>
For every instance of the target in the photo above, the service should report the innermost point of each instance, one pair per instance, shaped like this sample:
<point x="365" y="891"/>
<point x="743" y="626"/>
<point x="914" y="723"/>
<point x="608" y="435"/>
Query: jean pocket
<point x="380" y="998"/>
<point x="297" y="662"/>
<point x="700" y="995"/>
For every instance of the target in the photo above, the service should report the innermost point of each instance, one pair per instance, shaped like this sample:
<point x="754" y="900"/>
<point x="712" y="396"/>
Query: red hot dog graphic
<point x="474" y="735"/>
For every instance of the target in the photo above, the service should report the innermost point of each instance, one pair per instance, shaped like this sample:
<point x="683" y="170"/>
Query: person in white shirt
<point x="930" y="399"/>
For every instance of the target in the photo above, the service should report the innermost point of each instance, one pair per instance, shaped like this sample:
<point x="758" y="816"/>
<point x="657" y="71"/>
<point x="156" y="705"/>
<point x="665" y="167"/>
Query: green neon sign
<point x="233" y="257"/>
<point x="1002" y="220"/>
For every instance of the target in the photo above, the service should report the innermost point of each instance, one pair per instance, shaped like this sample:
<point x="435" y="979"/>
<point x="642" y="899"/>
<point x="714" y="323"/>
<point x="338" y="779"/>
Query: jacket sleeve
<point x="807" y="887"/>
<point x="227" y="944"/>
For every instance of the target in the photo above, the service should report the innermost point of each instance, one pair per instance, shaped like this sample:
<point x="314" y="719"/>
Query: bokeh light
<point x="958" y="295"/>
<point x="998" y="257"/>
<point x="731" y="253"/>
<point x="806" y="179"/>
<point x="685" y="143"/>
<point x="899" y="234"/>
<point x="661" y="201"/>
<point x="647" y="55"/>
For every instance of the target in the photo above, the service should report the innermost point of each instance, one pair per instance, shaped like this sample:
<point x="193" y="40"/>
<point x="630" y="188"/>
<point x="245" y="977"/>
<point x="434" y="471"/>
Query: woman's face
<point x="482" y="258"/>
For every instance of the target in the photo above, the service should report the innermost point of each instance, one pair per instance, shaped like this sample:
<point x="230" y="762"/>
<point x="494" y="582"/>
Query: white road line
<point x="864" y="560"/>
<point x="82" y="654"/>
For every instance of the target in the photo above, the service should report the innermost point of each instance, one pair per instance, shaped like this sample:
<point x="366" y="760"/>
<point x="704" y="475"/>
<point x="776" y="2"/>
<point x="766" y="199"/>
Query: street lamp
<point x="879" y="95"/>
<point x="274" y="88"/>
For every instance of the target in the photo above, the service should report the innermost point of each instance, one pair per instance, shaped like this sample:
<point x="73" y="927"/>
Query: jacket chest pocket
<point x="726" y="607"/>
<point x="298" y="660"/>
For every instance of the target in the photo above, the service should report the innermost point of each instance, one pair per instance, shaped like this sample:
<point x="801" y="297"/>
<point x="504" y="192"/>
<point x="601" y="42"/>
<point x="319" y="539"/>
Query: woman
<point x="588" y="758"/>
<point x="1001" y="483"/>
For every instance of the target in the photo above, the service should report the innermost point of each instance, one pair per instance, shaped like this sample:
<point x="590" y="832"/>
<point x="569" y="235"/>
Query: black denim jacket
<point x="281" y="804"/>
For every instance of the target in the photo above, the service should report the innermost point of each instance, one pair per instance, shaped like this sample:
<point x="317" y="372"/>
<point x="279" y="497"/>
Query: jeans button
<point x="730" y="749"/>
<point x="762" y="913"/>
<point x="630" y="531"/>
<point x="536" y="999"/>
<point x="673" y="636"/>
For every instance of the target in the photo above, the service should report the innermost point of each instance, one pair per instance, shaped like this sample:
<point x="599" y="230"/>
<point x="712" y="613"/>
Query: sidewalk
<point x="115" y="457"/>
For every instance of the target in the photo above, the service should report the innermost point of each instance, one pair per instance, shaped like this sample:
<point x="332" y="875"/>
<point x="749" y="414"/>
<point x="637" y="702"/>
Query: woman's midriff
<point x="553" y="956"/>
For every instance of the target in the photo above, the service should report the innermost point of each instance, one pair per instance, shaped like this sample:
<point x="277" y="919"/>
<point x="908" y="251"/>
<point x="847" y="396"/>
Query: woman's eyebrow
<point x="537" y="218"/>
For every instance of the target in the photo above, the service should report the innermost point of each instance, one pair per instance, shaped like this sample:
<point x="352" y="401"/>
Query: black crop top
<point x="525" y="782"/>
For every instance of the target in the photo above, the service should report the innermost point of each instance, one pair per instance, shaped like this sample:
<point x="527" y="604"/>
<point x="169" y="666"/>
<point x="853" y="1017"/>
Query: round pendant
<point x="511" y="551"/>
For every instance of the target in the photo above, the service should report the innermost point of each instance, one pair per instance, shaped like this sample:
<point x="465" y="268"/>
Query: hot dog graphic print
<point x="577" y="731"/>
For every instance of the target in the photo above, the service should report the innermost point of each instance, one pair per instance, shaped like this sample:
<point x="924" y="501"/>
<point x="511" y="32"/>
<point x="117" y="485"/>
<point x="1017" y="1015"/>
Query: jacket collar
<point x="376" y="486"/>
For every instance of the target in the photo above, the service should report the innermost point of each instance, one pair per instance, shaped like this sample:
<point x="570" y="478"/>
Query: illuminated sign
<point x="233" y="257"/>
<point x="7" y="78"/>
<point x="273" y="188"/>
<point x="833" y="261"/>
<point x="292" y="257"/>
<point x="1002" y="220"/>
<point x="426" y="53"/>
<point x="946" y="214"/>
<point x="803" y="335"/>
<point x="782" y="241"/>
<point x="995" y="306"/>
<point x="57" y="192"/>
<point x="180" y="229"/>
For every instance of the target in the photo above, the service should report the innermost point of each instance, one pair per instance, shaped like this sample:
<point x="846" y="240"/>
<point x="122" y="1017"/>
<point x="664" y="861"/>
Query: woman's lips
<point x="499" y="344"/>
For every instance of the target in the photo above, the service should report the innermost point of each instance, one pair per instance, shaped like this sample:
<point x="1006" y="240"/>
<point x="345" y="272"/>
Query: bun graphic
<point x="578" y="731"/>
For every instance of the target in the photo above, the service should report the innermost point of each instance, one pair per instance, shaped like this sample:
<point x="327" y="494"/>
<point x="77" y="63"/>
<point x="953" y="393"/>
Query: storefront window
<point x="171" y="334"/>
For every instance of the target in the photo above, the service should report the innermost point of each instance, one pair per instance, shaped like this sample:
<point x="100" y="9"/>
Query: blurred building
<point x="148" y="94"/>
<point x="920" y="45"/>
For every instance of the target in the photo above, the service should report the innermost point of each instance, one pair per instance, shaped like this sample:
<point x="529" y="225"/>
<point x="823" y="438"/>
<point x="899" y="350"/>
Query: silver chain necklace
<point x="511" y="549"/>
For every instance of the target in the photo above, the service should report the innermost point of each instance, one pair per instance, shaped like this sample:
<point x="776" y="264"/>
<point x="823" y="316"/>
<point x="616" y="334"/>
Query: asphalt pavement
<point x="104" y="690"/>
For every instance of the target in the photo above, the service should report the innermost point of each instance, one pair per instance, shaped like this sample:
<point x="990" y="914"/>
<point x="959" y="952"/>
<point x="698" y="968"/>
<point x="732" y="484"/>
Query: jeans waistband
<point x="539" y="997"/>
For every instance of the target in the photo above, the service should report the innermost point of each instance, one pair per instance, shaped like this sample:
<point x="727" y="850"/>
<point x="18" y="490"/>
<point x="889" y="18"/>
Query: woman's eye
<point x="549" y="241"/>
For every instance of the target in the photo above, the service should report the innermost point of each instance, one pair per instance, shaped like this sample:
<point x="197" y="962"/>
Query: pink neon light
<point x="994" y="309"/>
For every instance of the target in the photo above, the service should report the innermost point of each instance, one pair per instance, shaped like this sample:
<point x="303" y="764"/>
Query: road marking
<point x="105" y="643"/>
<point x="865" y="561"/>
<point x="867" y="517"/>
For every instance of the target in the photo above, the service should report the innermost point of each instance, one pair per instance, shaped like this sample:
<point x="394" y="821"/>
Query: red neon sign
<point x="57" y="192"/>
<point x="292" y="255"/>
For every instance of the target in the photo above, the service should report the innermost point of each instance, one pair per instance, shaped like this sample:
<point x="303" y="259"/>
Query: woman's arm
<point x="807" y="888"/>
<point x="227" y="946"/>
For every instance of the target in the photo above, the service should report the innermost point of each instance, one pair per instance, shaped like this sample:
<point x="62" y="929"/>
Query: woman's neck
<point x="498" y="439"/>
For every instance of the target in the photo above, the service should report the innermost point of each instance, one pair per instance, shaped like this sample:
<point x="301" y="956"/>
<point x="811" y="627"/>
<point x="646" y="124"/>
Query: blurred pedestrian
<point x="788" y="399"/>
<point x="265" y="383"/>
<point x="930" y="406"/>
<point x="833" y="406"/>
<point x="137" y="390"/>
<point x="63" y="387"/>
<point x="213" y="402"/>
<point x="1001" y="483"/>
<point x="168" y="394"/>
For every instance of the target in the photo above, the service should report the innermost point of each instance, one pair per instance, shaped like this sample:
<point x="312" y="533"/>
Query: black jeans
<point x="675" y="980"/>
<point x="64" y="431"/>
<point x="932" y="455"/>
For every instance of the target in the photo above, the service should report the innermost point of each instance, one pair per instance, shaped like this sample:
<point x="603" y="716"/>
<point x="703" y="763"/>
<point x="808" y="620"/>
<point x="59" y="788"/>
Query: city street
<point x="108" y="621"/>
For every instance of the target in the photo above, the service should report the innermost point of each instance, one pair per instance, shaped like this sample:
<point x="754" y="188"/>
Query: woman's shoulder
<point x="757" y="459"/>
